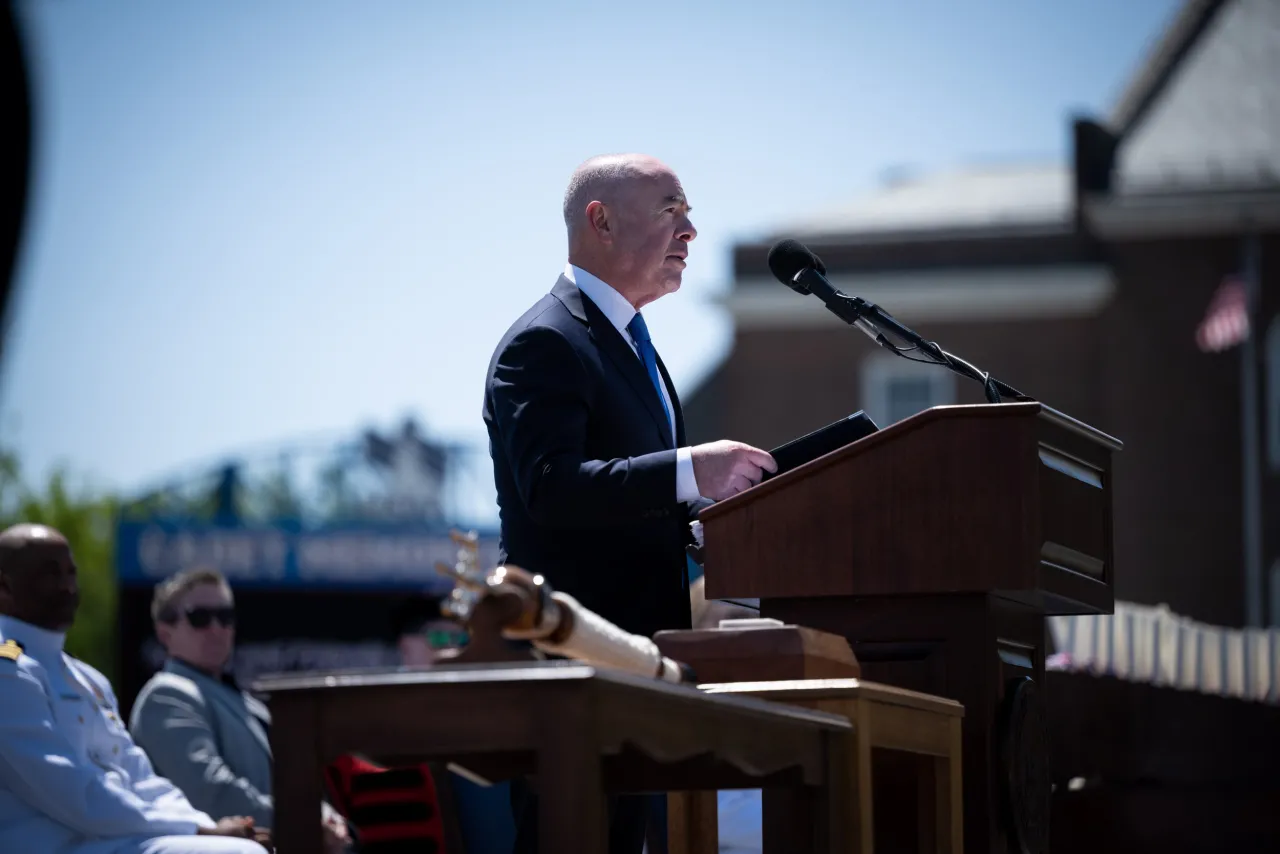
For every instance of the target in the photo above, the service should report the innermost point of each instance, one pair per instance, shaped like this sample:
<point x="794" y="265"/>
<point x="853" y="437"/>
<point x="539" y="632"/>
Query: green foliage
<point x="87" y="519"/>
<point x="168" y="505"/>
<point x="273" y="496"/>
<point x="337" y="499"/>
<point x="262" y="498"/>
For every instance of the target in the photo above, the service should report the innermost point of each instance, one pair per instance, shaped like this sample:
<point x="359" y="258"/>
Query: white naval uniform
<point x="72" y="781"/>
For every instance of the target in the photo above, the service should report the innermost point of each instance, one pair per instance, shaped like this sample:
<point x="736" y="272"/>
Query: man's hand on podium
<point x="725" y="468"/>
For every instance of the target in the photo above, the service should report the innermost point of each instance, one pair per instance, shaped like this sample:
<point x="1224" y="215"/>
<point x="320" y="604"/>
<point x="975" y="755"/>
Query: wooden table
<point x="884" y="717"/>
<point x="583" y="732"/>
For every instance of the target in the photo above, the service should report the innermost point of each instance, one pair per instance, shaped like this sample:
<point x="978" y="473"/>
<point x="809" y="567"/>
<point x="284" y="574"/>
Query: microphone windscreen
<point x="788" y="257"/>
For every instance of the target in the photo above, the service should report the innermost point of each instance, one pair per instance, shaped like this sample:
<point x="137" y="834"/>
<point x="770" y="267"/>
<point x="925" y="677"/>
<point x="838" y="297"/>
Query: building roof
<point x="1203" y="113"/>
<point x="1162" y="59"/>
<point x="992" y="198"/>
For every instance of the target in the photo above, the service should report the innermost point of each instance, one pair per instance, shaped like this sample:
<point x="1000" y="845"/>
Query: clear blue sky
<point x="256" y="221"/>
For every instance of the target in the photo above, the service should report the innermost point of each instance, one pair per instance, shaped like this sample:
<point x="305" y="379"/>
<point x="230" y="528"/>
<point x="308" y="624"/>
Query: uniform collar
<point x="36" y="642"/>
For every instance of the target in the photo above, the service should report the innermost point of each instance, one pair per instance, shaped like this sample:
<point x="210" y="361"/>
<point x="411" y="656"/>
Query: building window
<point x="894" y="389"/>
<point x="1272" y="384"/>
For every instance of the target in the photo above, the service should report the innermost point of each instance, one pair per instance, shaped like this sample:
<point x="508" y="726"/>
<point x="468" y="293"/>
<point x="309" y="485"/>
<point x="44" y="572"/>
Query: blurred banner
<point x="284" y="554"/>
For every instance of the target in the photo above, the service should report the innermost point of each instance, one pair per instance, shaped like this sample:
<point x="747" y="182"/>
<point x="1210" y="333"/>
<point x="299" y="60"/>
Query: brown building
<point x="1082" y="285"/>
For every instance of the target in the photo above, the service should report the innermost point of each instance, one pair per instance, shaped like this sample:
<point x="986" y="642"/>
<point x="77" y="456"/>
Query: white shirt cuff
<point x="686" y="483"/>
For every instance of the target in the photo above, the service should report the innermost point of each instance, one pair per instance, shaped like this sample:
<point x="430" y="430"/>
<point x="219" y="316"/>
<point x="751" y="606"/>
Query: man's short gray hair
<point x="169" y="591"/>
<point x="595" y="180"/>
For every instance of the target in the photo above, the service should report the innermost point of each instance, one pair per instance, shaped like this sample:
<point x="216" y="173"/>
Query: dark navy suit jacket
<point x="585" y="465"/>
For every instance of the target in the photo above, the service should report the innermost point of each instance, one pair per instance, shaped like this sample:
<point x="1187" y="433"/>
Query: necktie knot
<point x="638" y="329"/>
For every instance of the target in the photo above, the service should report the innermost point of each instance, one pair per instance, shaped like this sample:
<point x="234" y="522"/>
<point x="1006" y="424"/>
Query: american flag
<point x="1226" y="321"/>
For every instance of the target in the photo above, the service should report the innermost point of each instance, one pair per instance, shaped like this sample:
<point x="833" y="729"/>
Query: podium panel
<point x="1010" y="499"/>
<point x="936" y="547"/>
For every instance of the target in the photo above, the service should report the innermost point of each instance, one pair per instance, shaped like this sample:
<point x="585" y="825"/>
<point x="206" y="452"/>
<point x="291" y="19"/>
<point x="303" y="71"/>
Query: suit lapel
<point x="613" y="345"/>
<point x="258" y="713"/>
<point x="235" y="705"/>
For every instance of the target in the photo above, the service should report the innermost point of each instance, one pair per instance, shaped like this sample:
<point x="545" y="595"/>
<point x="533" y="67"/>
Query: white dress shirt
<point x="620" y="313"/>
<point x="72" y="781"/>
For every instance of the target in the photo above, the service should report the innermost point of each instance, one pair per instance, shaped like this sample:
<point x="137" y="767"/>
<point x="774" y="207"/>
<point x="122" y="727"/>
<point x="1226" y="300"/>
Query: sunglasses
<point x="201" y="618"/>
<point x="443" y="639"/>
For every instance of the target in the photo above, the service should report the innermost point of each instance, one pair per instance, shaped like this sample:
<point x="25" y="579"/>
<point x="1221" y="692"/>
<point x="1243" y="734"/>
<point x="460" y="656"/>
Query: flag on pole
<point x="1226" y="321"/>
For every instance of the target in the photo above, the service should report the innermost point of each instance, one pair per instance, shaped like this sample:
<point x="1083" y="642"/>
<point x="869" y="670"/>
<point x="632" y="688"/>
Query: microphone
<point x="795" y="266"/>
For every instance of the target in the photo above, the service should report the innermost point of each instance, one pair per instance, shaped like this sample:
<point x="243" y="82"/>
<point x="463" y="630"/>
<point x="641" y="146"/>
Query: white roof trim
<point x="933" y="295"/>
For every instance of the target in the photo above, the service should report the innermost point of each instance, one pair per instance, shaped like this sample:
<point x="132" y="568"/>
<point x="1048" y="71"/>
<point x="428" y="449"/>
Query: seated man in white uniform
<point x="71" y="779"/>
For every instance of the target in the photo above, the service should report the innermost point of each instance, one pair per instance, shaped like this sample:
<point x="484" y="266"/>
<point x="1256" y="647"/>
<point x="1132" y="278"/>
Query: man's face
<point x="40" y="586"/>
<point x="203" y="633"/>
<point x="651" y="232"/>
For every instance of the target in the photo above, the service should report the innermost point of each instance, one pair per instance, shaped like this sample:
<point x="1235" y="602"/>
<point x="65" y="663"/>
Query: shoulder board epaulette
<point x="10" y="649"/>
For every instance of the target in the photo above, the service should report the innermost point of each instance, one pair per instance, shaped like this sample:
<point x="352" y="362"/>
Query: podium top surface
<point x="919" y="421"/>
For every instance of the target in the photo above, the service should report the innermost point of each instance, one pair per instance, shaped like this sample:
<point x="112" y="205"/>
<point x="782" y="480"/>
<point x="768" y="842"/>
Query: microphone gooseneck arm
<point x="875" y="321"/>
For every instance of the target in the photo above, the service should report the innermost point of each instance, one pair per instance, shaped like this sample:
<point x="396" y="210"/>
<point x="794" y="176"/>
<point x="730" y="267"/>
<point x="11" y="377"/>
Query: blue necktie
<point x="644" y="347"/>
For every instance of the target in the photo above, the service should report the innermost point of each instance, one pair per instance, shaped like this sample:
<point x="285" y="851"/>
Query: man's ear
<point x="163" y="631"/>
<point x="600" y="222"/>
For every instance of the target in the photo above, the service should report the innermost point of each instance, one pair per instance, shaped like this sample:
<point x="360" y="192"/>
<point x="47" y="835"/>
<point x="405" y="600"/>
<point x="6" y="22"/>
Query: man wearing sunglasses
<point x="71" y="778"/>
<point x="422" y="634"/>
<point x="199" y="728"/>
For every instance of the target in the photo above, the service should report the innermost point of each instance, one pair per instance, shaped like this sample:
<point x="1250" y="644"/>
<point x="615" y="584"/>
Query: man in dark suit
<point x="593" y="475"/>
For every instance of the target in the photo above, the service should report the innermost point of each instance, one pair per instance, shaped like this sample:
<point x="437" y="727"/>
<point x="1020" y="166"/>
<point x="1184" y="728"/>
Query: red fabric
<point x="355" y="806"/>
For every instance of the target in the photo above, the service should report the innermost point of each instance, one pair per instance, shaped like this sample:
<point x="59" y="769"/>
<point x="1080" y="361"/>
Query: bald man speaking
<point x="593" y="475"/>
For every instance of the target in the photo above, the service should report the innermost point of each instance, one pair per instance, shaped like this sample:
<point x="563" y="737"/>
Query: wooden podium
<point x="937" y="546"/>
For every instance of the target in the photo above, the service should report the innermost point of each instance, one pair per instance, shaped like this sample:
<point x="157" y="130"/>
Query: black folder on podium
<point x="822" y="441"/>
